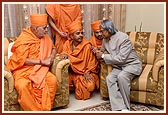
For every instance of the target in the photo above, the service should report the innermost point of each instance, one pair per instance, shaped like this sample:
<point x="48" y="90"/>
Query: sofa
<point x="148" y="87"/>
<point x="59" y="68"/>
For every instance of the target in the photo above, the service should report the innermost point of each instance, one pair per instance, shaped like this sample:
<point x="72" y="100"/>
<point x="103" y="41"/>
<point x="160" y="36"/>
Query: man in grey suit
<point x="125" y="62"/>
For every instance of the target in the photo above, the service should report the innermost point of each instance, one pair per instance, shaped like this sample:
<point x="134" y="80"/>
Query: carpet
<point x="134" y="107"/>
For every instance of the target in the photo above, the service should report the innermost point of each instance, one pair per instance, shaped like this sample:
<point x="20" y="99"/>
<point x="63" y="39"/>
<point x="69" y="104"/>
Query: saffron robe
<point x="63" y="15"/>
<point x="82" y="60"/>
<point x="36" y="86"/>
<point x="96" y="42"/>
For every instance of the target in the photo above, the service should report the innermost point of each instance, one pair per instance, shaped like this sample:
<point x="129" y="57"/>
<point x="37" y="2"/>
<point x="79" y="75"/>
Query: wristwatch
<point x="102" y="56"/>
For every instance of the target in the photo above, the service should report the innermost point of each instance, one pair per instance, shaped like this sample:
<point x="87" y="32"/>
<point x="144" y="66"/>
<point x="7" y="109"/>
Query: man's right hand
<point x="97" y="52"/>
<point x="63" y="34"/>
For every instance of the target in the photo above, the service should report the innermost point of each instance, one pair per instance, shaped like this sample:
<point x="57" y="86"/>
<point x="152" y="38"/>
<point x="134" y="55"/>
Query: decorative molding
<point x="26" y="15"/>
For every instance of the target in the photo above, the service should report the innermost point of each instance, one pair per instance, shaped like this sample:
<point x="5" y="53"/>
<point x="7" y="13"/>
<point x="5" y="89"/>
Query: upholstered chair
<point x="147" y="88"/>
<point x="59" y="68"/>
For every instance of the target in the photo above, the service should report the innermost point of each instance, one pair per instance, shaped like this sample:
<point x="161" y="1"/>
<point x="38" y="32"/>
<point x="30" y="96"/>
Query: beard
<point x="99" y="37"/>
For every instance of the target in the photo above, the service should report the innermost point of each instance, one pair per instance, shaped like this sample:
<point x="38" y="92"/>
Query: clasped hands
<point x="97" y="52"/>
<point x="48" y="61"/>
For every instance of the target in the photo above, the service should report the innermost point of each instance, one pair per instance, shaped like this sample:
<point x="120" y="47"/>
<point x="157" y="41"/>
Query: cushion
<point x="9" y="49"/>
<point x="145" y="81"/>
<point x="147" y="45"/>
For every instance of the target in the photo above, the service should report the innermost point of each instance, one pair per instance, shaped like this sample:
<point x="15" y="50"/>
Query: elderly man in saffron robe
<point x="33" y="53"/>
<point x="83" y="73"/>
<point x="60" y="16"/>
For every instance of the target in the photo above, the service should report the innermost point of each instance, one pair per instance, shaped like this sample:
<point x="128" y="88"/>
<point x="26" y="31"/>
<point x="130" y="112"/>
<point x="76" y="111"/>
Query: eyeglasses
<point x="43" y="27"/>
<point x="46" y="27"/>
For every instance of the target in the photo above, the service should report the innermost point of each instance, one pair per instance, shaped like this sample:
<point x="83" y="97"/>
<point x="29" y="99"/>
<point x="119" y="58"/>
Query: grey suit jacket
<point x="121" y="53"/>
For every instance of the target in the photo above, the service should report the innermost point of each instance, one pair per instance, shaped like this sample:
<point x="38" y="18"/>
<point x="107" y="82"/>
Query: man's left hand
<point x="99" y="55"/>
<point x="88" y="77"/>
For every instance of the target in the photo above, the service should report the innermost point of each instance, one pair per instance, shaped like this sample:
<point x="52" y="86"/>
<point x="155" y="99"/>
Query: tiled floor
<point x="79" y="104"/>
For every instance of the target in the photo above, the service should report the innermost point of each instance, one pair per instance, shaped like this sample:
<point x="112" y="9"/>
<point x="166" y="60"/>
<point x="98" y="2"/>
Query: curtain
<point x="13" y="19"/>
<point x="117" y="13"/>
<point x="93" y="12"/>
<point x="17" y="16"/>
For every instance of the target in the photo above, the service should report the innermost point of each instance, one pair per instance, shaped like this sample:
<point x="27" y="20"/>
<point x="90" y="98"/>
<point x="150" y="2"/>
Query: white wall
<point x="151" y="16"/>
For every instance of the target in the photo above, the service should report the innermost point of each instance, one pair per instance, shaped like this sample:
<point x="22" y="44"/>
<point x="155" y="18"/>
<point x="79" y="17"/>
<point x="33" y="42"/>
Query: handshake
<point x="99" y="55"/>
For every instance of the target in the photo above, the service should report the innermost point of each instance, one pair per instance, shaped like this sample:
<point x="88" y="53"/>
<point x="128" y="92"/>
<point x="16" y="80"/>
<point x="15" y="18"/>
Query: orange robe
<point x="96" y="42"/>
<point x="36" y="86"/>
<point x="82" y="60"/>
<point x="63" y="15"/>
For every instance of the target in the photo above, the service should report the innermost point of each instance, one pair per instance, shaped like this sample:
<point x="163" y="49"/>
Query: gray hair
<point x="109" y="26"/>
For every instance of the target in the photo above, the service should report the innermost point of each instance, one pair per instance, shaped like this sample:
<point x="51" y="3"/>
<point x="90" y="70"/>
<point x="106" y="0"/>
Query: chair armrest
<point x="5" y="59"/>
<point x="159" y="62"/>
<point x="57" y="66"/>
<point x="8" y="75"/>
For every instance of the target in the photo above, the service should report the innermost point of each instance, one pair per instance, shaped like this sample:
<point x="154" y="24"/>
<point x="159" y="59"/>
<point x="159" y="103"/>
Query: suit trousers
<point x="118" y="82"/>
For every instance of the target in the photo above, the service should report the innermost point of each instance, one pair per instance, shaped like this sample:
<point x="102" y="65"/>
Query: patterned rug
<point x="134" y="107"/>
